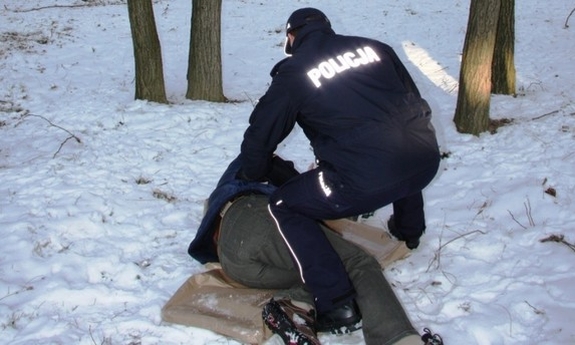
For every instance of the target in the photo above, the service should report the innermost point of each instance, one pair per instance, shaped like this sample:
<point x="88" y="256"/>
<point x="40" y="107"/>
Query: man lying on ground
<point x="238" y="231"/>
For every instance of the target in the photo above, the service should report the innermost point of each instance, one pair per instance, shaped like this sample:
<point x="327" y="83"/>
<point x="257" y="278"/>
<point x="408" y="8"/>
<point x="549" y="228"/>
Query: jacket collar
<point x="310" y="30"/>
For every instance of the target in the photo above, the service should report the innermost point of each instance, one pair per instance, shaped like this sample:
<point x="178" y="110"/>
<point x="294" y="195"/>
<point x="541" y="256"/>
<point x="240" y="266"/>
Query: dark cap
<point x="302" y="17"/>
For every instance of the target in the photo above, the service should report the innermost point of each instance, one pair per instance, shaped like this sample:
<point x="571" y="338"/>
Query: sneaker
<point x="293" y="324"/>
<point x="429" y="338"/>
<point x="411" y="243"/>
<point x="341" y="320"/>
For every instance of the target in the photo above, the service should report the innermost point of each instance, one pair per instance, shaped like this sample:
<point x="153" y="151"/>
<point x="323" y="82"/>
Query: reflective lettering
<point x="327" y="71"/>
<point x="314" y="75"/>
<point x="338" y="68"/>
<point x="348" y="57"/>
<point x="371" y="55"/>
<point x="330" y="68"/>
<point x="363" y="60"/>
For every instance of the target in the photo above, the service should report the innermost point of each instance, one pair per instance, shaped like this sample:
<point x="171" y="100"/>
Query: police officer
<point x="372" y="137"/>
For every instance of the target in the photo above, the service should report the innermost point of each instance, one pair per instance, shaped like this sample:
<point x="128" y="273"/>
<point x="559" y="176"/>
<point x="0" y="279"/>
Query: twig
<point x="51" y="6"/>
<point x="26" y="288"/>
<point x="72" y="136"/>
<point x="437" y="256"/>
<point x="62" y="144"/>
<point x="251" y="100"/>
<point x="558" y="239"/>
<point x="510" y="319"/>
<point x="91" y="335"/>
<point x="542" y="116"/>
<point x="528" y="212"/>
<point x="535" y="310"/>
<point x="516" y="221"/>
<point x="567" y="20"/>
<point x="54" y="125"/>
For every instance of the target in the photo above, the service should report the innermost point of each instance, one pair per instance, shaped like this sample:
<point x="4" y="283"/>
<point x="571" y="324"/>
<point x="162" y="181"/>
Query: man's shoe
<point x="429" y="338"/>
<point x="341" y="320"/>
<point x="293" y="324"/>
<point x="411" y="243"/>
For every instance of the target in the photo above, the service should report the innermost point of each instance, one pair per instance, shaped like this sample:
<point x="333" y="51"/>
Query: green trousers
<point x="253" y="253"/>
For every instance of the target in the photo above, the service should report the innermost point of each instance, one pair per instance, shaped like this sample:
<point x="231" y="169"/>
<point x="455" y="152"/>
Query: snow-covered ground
<point x="100" y="194"/>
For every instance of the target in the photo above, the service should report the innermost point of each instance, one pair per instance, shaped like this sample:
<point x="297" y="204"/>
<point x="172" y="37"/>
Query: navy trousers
<point x="253" y="253"/>
<point x="316" y="195"/>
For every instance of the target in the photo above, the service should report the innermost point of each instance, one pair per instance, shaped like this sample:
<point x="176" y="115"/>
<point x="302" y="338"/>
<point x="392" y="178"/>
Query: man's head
<point x="300" y="18"/>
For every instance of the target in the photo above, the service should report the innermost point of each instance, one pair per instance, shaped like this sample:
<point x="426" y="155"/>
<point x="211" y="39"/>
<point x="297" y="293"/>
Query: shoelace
<point x="430" y="338"/>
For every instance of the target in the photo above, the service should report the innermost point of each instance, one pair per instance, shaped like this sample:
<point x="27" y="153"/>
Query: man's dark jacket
<point x="355" y="102"/>
<point x="203" y="248"/>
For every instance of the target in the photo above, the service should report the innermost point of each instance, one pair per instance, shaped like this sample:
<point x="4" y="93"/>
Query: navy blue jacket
<point x="355" y="102"/>
<point x="202" y="248"/>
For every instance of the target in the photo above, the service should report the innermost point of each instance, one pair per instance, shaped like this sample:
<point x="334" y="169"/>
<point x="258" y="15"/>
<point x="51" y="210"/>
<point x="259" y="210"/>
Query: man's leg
<point x="384" y="319"/>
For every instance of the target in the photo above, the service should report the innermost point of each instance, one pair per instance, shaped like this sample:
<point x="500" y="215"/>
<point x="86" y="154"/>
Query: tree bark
<point x="473" y="100"/>
<point x="147" y="52"/>
<point x="503" y="68"/>
<point x="205" y="61"/>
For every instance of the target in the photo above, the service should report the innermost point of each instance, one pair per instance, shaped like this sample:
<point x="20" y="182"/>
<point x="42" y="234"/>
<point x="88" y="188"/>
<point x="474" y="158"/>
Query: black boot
<point x="340" y="320"/>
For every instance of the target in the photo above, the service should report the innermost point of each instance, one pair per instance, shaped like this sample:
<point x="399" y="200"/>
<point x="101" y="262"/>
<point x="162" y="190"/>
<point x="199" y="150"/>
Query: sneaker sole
<point x="279" y="323"/>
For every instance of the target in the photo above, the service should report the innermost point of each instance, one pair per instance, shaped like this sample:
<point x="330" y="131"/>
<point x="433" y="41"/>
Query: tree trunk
<point x="147" y="52"/>
<point x="205" y="60"/>
<point x="503" y="70"/>
<point x="473" y="99"/>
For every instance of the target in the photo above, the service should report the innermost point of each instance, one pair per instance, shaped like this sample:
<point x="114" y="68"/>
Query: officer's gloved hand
<point x="411" y="242"/>
<point x="281" y="171"/>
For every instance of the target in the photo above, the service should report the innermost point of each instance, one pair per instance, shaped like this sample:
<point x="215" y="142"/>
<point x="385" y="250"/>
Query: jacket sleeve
<point x="271" y="121"/>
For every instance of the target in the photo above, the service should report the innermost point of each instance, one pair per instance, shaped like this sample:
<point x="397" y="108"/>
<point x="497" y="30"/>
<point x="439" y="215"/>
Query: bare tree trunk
<point x="503" y="68"/>
<point x="473" y="99"/>
<point x="205" y="60"/>
<point x="147" y="52"/>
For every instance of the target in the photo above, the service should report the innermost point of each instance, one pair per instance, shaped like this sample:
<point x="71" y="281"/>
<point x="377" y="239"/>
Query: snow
<point x="95" y="230"/>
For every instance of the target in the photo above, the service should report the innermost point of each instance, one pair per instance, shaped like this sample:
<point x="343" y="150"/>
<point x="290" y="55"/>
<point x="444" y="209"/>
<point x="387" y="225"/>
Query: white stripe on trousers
<point x="286" y="242"/>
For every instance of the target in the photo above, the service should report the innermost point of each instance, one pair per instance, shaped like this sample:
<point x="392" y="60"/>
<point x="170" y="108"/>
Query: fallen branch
<point x="87" y="4"/>
<point x="535" y="310"/>
<point x="26" y="288"/>
<point x="567" y="20"/>
<point x="528" y="212"/>
<point x="542" y="116"/>
<point x="516" y="221"/>
<point x="558" y="239"/>
<point x="62" y="144"/>
<point x="47" y="7"/>
<point x="437" y="256"/>
<point x="72" y="135"/>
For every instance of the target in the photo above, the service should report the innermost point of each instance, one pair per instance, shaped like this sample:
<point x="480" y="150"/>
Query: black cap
<point x="302" y="17"/>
